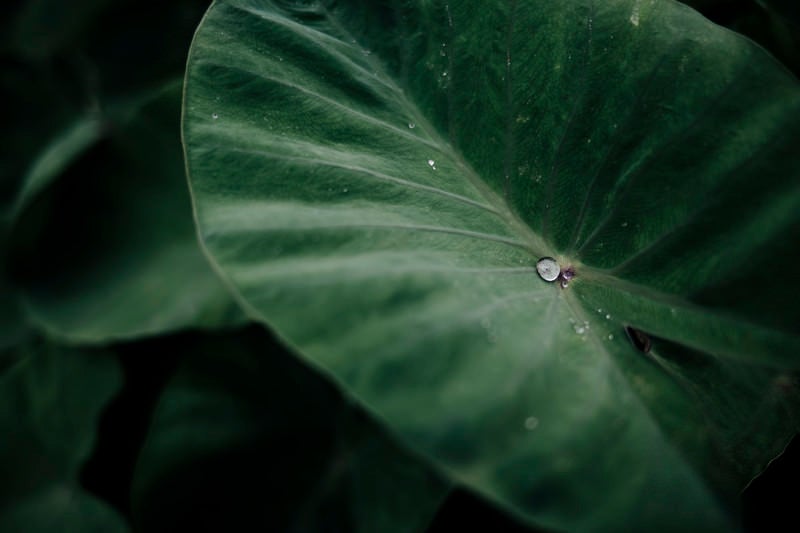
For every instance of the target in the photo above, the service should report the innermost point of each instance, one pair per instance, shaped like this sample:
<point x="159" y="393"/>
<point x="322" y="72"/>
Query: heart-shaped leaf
<point x="379" y="180"/>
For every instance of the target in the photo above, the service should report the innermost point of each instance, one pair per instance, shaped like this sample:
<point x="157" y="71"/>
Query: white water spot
<point x="345" y="189"/>
<point x="432" y="164"/>
<point x="443" y="50"/>
<point x="215" y="116"/>
<point x="599" y="310"/>
<point x="589" y="140"/>
<point x="635" y="14"/>
<point x="611" y="336"/>
<point x="367" y="52"/>
<point x="411" y="125"/>
<point x="624" y="224"/>
<point x="608" y="317"/>
<point x="548" y="269"/>
<point x="531" y="423"/>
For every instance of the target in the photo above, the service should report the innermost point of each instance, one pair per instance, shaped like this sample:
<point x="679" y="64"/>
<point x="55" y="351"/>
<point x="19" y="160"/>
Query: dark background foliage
<point x="65" y="59"/>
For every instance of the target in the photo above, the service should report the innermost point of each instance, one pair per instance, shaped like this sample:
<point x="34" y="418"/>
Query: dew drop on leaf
<point x="531" y="423"/>
<point x="548" y="269"/>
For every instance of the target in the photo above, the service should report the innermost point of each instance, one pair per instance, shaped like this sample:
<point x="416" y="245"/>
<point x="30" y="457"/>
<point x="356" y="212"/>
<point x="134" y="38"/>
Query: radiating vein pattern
<point x="377" y="181"/>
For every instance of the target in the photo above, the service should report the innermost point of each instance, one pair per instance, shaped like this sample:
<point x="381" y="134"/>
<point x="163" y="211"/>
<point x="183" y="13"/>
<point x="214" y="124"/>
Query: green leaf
<point x="247" y="438"/>
<point x="56" y="157"/>
<point x="50" y="401"/>
<point x="130" y="266"/>
<point x="379" y="181"/>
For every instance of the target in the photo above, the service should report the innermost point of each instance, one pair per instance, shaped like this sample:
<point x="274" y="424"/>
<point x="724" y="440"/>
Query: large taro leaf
<point x="247" y="438"/>
<point x="130" y="266"/>
<point x="378" y="180"/>
<point x="50" y="401"/>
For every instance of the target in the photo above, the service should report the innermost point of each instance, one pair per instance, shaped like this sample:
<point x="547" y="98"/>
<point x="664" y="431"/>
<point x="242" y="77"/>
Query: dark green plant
<point x="376" y="184"/>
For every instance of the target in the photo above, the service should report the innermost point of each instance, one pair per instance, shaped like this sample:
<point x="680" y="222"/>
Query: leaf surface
<point x="246" y="437"/>
<point x="132" y="266"/>
<point x="378" y="182"/>
<point x="51" y="400"/>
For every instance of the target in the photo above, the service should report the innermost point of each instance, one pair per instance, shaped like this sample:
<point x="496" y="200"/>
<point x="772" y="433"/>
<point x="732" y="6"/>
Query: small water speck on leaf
<point x="411" y="125"/>
<point x="214" y="116"/>
<point x="432" y="164"/>
<point x="635" y="13"/>
<point x="531" y="423"/>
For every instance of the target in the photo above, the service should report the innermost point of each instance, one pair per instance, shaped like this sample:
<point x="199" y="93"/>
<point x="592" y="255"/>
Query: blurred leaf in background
<point x="246" y="437"/>
<point x="50" y="401"/>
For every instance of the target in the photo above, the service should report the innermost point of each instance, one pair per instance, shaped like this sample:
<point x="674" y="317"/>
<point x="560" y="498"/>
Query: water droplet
<point x="548" y="269"/>
<point x="531" y="423"/>
<point x="611" y="336"/>
<point x="599" y="310"/>
<point x="432" y="164"/>
<point x="624" y="224"/>
<point x="367" y="52"/>
<point x="579" y="329"/>
<point x="214" y="116"/>
<point x="345" y="189"/>
<point x="608" y="317"/>
<point x="444" y="74"/>
<point x="635" y="14"/>
<point x="589" y="141"/>
<point x="411" y="125"/>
